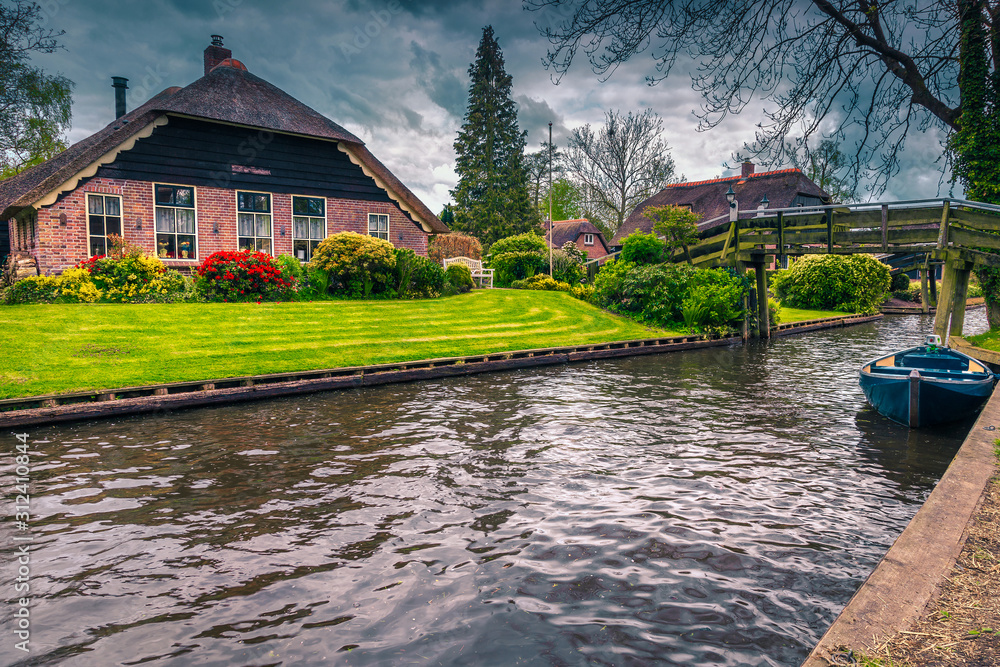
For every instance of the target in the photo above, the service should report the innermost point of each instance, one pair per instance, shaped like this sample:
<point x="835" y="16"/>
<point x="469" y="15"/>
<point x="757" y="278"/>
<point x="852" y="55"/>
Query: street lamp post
<point x="551" y="226"/>
<point x="734" y="215"/>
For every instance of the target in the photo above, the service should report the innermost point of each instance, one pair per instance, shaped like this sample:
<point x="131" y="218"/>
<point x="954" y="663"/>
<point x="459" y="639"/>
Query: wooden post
<point x="943" y="316"/>
<point x="943" y="231"/>
<point x="763" y="314"/>
<point x="925" y="296"/>
<point x="961" y="294"/>
<point x="885" y="228"/>
<point x="914" y="398"/>
<point x="829" y="230"/>
<point x="736" y="242"/>
<point x="741" y="271"/>
<point x="781" y="240"/>
<point x="932" y="273"/>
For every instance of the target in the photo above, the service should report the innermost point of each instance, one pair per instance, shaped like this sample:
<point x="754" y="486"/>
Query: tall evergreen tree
<point x="491" y="199"/>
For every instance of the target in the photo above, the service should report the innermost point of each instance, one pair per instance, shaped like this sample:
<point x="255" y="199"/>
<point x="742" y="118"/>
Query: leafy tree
<point x="619" y="165"/>
<point x="34" y="106"/>
<point x="677" y="225"/>
<point x="447" y="215"/>
<point x="567" y="201"/>
<point x="491" y="199"/>
<point x="871" y="71"/>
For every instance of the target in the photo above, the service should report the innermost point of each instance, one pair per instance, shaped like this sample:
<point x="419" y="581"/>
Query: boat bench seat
<point x="933" y="361"/>
<point x="956" y="374"/>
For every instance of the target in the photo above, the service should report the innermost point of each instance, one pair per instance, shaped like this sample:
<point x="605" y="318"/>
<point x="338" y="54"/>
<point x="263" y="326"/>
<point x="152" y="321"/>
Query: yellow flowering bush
<point x="133" y="277"/>
<point x="73" y="286"/>
<point x="76" y="285"/>
<point x="33" y="289"/>
<point x="357" y="266"/>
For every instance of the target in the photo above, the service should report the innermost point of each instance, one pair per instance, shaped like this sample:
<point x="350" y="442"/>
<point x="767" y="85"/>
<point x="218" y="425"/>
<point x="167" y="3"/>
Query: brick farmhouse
<point x="783" y="188"/>
<point x="581" y="232"/>
<point x="228" y="162"/>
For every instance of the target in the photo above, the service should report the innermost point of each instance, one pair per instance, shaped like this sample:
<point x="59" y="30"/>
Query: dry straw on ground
<point x="961" y="627"/>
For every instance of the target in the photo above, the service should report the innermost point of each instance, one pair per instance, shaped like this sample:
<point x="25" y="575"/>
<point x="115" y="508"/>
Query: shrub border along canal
<point x="35" y="410"/>
<point x="910" y="575"/>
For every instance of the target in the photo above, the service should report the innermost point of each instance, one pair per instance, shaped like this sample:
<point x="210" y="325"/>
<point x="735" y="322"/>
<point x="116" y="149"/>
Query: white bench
<point x="484" y="276"/>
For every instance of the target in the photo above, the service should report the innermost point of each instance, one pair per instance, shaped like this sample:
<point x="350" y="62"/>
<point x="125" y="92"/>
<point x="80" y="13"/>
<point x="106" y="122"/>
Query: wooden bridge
<point x="952" y="232"/>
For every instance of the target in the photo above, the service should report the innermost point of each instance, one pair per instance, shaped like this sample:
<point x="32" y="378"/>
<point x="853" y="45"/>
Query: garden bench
<point x="484" y="276"/>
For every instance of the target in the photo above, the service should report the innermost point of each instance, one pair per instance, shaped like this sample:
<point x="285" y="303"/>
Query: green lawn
<point x="60" y="348"/>
<point x="789" y="315"/>
<point x="988" y="341"/>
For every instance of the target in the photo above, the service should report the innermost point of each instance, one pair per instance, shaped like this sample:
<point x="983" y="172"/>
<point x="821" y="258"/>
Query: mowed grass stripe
<point x="61" y="348"/>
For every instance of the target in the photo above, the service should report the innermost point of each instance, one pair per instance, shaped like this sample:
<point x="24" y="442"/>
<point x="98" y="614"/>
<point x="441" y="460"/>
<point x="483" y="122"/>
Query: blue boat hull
<point x="948" y="386"/>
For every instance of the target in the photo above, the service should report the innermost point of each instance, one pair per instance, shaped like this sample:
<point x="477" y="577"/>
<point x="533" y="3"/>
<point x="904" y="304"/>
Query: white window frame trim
<point x="326" y="218"/>
<point x="388" y="226"/>
<point x="197" y="237"/>
<point x="86" y="212"/>
<point x="588" y="236"/>
<point x="236" y="201"/>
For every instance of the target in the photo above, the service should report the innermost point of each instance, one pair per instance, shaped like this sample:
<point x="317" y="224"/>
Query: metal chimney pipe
<point x="120" y="84"/>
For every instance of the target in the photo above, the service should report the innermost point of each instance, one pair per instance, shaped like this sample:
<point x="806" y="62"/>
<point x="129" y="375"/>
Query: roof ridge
<point x="732" y="178"/>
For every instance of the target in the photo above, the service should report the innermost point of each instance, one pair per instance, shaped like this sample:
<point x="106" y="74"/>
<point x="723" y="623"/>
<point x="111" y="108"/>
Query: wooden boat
<point x="926" y="385"/>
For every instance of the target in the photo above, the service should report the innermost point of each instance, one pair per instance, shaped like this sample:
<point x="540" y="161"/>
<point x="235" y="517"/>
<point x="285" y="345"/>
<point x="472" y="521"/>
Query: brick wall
<point x="594" y="251"/>
<point x="60" y="233"/>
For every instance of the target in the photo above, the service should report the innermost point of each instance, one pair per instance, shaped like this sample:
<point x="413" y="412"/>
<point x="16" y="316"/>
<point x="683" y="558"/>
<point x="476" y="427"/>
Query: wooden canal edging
<point x="33" y="410"/>
<point x="159" y="398"/>
<point x="909" y="576"/>
<point x="824" y="323"/>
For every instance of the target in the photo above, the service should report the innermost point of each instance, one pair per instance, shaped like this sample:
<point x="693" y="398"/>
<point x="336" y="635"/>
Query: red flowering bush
<point x="243" y="276"/>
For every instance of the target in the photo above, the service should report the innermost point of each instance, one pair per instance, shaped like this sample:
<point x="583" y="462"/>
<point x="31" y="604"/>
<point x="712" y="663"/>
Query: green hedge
<point x="851" y="283"/>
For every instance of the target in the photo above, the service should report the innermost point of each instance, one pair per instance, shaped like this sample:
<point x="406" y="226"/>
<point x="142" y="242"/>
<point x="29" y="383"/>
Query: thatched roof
<point x="227" y="94"/>
<point x="708" y="198"/>
<point x="570" y="230"/>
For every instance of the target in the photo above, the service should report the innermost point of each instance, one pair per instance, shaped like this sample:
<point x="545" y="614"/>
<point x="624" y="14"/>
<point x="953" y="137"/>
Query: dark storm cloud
<point x="392" y="71"/>
<point x="443" y="87"/>
<point x="535" y="116"/>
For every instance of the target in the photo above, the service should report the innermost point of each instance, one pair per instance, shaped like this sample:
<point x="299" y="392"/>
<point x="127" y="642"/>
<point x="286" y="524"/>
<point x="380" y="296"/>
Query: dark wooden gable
<point x="195" y="152"/>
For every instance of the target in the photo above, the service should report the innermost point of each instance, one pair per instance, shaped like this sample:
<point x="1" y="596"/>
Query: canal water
<point x="710" y="507"/>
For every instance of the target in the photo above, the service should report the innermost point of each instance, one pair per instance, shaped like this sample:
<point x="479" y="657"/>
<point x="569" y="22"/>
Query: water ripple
<point x="711" y="507"/>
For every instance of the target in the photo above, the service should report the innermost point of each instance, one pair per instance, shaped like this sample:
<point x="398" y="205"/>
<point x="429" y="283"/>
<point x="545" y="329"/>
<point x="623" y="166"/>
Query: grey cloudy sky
<point x="394" y="72"/>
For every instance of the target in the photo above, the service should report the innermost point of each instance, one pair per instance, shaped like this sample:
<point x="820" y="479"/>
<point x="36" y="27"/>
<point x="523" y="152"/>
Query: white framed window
<point x="176" y="225"/>
<point x="104" y="217"/>
<point x="253" y="229"/>
<point x="308" y="225"/>
<point x="378" y="225"/>
<point x="588" y="239"/>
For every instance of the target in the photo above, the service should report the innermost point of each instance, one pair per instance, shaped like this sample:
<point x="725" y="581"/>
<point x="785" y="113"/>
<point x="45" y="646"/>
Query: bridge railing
<point x="920" y="225"/>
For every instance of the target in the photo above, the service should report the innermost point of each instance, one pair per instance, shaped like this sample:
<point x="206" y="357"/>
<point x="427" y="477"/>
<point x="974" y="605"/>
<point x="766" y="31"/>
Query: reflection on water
<point x="709" y="507"/>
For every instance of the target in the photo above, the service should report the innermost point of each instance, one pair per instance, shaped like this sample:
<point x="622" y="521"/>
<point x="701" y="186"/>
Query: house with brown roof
<point x="582" y="232"/>
<point x="784" y="188"/>
<point x="226" y="163"/>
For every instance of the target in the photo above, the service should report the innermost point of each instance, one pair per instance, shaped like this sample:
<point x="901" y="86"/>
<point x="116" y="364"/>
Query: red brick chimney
<point x="747" y="164"/>
<point x="215" y="53"/>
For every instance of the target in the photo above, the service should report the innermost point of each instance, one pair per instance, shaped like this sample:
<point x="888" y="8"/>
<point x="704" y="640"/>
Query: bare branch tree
<point x="878" y="71"/>
<point x="620" y="165"/>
